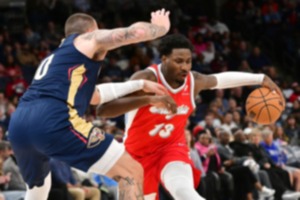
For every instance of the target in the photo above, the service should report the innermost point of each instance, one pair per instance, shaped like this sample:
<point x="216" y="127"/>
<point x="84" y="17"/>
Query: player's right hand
<point x="161" y="18"/>
<point x="164" y="101"/>
<point x="153" y="87"/>
<point x="268" y="83"/>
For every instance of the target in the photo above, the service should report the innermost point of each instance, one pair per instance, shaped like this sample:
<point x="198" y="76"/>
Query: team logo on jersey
<point x="181" y="110"/>
<point x="96" y="136"/>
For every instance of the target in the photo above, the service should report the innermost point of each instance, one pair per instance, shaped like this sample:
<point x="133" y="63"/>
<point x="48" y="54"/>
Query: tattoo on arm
<point x="152" y="30"/>
<point x="126" y="188"/>
<point x="138" y="32"/>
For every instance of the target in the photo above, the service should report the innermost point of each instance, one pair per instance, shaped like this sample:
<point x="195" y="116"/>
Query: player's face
<point x="178" y="64"/>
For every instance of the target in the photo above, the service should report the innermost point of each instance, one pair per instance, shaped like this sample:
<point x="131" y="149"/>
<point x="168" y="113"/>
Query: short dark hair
<point x="175" y="41"/>
<point x="78" y="23"/>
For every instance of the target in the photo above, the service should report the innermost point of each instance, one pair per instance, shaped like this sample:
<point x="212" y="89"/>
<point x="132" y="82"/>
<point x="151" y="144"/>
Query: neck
<point x="170" y="80"/>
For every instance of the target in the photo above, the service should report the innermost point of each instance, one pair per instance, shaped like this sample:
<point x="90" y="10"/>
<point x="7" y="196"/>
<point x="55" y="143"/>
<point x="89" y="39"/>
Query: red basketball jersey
<point x="150" y="130"/>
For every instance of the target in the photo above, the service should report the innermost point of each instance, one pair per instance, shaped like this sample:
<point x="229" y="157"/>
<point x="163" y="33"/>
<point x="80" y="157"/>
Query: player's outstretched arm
<point x="110" y="91"/>
<point x="136" y="100"/>
<point x="226" y="80"/>
<point x="123" y="105"/>
<point x="105" y="40"/>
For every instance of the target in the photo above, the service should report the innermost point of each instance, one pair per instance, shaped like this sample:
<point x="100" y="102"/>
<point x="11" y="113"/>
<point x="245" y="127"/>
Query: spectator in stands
<point x="62" y="174"/>
<point x="30" y="37"/>
<point x="52" y="35"/>
<point x="218" y="26"/>
<point x="26" y="56"/>
<point x="2" y="133"/>
<point x="193" y="152"/>
<point x="210" y="122"/>
<point x="4" y="120"/>
<point x="244" y="171"/>
<point x="296" y="109"/>
<point x="279" y="157"/>
<point x="5" y="178"/>
<point x="257" y="60"/>
<point x="211" y="160"/>
<point x="292" y="130"/>
<point x="280" y="136"/>
<point x="10" y="166"/>
<point x="228" y="123"/>
<point x="279" y="177"/>
<point x="17" y="85"/>
<point x="296" y="94"/>
<point x="106" y="185"/>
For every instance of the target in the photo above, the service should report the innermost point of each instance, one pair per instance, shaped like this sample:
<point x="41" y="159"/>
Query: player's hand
<point x="164" y="101"/>
<point x="152" y="87"/>
<point x="161" y="18"/>
<point x="268" y="83"/>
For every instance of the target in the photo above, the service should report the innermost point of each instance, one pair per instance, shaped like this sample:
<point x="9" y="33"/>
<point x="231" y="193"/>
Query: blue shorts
<point x="41" y="130"/>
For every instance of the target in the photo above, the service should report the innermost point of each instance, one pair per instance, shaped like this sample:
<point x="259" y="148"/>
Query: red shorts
<point x="154" y="164"/>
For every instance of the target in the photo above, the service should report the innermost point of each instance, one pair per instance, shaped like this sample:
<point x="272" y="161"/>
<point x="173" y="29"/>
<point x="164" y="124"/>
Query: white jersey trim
<point x="128" y="122"/>
<point x="151" y="196"/>
<point x="163" y="80"/>
<point x="192" y="90"/>
<point x="153" y="70"/>
<point x="110" y="157"/>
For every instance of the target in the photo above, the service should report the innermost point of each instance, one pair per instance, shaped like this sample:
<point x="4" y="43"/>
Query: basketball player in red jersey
<point x="155" y="137"/>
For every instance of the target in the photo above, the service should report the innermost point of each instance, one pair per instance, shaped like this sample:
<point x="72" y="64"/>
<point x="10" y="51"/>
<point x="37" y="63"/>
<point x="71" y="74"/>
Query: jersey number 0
<point x="43" y="68"/>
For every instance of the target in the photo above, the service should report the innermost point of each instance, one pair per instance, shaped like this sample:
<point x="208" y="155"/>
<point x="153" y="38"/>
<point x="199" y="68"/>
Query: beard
<point x="179" y="81"/>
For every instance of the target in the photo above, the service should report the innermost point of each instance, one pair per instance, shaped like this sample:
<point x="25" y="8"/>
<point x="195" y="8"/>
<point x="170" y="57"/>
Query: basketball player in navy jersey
<point x="48" y="121"/>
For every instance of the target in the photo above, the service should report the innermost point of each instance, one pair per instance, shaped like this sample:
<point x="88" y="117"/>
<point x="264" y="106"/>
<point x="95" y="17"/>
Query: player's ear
<point x="164" y="58"/>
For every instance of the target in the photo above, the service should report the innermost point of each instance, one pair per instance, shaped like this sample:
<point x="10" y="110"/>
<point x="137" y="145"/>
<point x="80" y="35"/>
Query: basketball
<point x="264" y="106"/>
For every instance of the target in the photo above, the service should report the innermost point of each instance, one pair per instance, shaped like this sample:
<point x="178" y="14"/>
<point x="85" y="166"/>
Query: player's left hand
<point x="268" y="83"/>
<point x="152" y="87"/>
<point x="164" y="101"/>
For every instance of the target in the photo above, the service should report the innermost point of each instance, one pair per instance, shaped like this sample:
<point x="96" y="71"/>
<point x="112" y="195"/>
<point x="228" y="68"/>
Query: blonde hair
<point x="266" y="132"/>
<point x="78" y="23"/>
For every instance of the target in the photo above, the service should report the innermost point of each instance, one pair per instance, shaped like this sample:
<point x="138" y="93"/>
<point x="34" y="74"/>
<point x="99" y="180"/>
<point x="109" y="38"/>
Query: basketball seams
<point x="258" y="114"/>
<point x="262" y="98"/>
<point x="270" y="105"/>
<point x="262" y="95"/>
<point x="274" y="98"/>
<point x="266" y="106"/>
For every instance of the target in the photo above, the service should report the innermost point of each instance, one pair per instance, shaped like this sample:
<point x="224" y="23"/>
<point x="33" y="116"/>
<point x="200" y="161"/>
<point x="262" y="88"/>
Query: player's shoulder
<point x="197" y="75"/>
<point x="144" y="74"/>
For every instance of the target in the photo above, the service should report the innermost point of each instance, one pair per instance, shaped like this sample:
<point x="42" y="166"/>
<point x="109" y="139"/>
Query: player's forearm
<point x="137" y="32"/>
<point x="237" y="79"/>
<point x="144" y="31"/>
<point x="121" y="106"/>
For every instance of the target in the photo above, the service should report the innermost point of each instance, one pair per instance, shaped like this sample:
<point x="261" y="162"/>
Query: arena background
<point x="245" y="35"/>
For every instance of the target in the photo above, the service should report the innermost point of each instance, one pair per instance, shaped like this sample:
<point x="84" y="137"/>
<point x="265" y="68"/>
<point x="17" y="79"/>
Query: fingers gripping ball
<point x="264" y="106"/>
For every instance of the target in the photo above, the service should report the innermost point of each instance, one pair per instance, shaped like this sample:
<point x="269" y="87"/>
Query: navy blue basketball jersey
<point x="66" y="75"/>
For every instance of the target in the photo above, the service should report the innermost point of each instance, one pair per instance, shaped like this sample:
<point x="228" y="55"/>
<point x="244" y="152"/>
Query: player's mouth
<point x="183" y="75"/>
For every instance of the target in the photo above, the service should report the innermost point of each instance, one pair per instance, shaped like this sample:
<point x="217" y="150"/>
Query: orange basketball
<point x="264" y="106"/>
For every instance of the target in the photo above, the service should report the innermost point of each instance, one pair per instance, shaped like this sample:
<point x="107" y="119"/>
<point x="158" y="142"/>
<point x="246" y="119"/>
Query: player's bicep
<point x="204" y="82"/>
<point x="96" y="98"/>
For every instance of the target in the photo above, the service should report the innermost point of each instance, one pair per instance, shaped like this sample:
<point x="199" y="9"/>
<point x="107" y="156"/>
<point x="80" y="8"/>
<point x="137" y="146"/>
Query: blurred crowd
<point x="260" y="36"/>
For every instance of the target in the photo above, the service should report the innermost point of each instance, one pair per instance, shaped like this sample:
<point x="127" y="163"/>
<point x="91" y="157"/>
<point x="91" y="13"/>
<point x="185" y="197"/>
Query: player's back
<point x="67" y="76"/>
<point x="59" y="94"/>
<point x="150" y="129"/>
